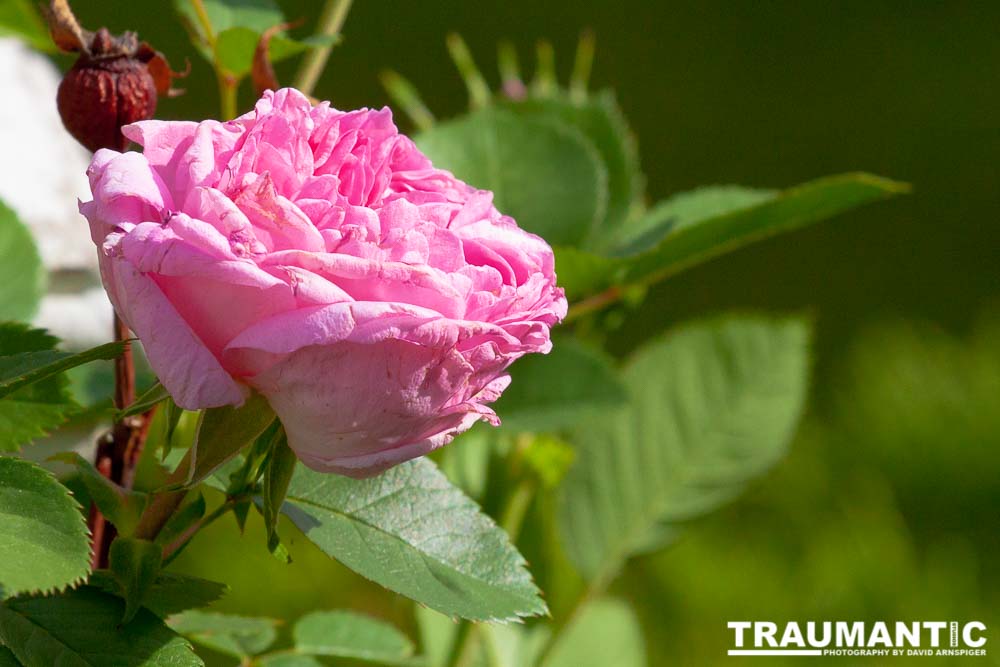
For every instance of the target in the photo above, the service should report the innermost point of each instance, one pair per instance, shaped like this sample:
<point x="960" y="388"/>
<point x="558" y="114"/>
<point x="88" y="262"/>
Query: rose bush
<point x="319" y="258"/>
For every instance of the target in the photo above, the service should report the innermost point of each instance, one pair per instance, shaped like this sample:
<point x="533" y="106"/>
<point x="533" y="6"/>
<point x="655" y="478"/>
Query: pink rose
<point x="318" y="257"/>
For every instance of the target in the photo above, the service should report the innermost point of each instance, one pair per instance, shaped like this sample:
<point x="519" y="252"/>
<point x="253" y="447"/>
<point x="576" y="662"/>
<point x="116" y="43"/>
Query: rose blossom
<point x="318" y="257"/>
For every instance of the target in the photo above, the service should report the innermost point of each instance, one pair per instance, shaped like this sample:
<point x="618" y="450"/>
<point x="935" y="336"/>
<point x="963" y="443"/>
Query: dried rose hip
<point x="115" y="81"/>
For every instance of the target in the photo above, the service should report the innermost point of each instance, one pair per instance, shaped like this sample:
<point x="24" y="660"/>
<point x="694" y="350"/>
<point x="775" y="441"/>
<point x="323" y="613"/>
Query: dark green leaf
<point x="582" y="273"/>
<point x="412" y="532"/>
<point x="120" y="506"/>
<point x="135" y="564"/>
<point x="8" y="659"/>
<point x="43" y="538"/>
<point x="170" y="594"/>
<point x="601" y="121"/>
<point x="238" y="636"/>
<point x="83" y="628"/>
<point x="344" y="634"/>
<point x="37" y="408"/>
<point x="544" y="174"/>
<point x="22" y="276"/>
<point x="277" y="476"/>
<point x="20" y="370"/>
<point x="288" y="660"/>
<point x="551" y="391"/>
<point x="713" y="405"/>
<point x="223" y="432"/>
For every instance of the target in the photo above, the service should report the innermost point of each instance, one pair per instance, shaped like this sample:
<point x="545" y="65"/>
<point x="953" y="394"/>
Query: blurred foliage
<point x="886" y="506"/>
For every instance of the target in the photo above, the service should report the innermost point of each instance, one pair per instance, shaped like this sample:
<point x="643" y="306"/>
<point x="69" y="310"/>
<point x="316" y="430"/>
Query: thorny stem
<point x="119" y="450"/>
<point x="314" y="61"/>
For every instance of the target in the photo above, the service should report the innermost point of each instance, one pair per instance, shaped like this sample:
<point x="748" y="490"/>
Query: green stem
<point x="330" y="22"/>
<point x="206" y="23"/>
<point x="594" y="303"/>
<point x="165" y="503"/>
<point x="228" y="89"/>
<point x="172" y="549"/>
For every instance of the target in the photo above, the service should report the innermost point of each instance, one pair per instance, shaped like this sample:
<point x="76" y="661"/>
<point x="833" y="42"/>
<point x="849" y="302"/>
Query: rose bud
<point x="319" y="258"/>
<point x="114" y="82"/>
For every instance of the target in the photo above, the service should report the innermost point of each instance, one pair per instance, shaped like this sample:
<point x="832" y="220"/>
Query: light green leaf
<point x="169" y="594"/>
<point x="43" y="539"/>
<point x="552" y="391"/>
<point x="19" y="18"/>
<point x="277" y="476"/>
<point x="601" y="121"/>
<point x="288" y="660"/>
<point x="120" y="506"/>
<point x="256" y="15"/>
<point x="344" y="634"/>
<point x="135" y="565"/>
<point x="20" y="370"/>
<point x="235" y="48"/>
<point x="683" y="210"/>
<point x="546" y="175"/>
<point x="83" y="628"/>
<point x="22" y="275"/>
<point x="606" y="633"/>
<point x="412" y="532"/>
<point x="713" y="405"/>
<point x="702" y="238"/>
<point x="151" y="397"/>
<point x="238" y="636"/>
<point x="693" y="228"/>
<point x="183" y="519"/>
<point x="36" y="408"/>
<point x="223" y="432"/>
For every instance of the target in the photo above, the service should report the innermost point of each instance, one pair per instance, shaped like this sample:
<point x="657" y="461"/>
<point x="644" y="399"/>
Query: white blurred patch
<point x="43" y="170"/>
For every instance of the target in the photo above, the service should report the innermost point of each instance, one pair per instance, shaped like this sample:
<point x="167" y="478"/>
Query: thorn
<point x="479" y="91"/>
<point x="510" y="71"/>
<point x="545" y="82"/>
<point x="582" y="65"/>
<point x="406" y="96"/>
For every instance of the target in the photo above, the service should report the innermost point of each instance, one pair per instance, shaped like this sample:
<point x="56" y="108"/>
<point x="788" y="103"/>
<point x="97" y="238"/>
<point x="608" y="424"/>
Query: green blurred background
<point x="888" y="506"/>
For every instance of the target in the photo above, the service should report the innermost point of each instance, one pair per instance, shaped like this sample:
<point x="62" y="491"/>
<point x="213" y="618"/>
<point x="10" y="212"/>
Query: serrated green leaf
<point x="277" y="476"/>
<point x="713" y="405"/>
<point x="702" y="238"/>
<point x="601" y="121"/>
<point x="82" y="628"/>
<point x="412" y="532"/>
<point x="122" y="507"/>
<point x="605" y="633"/>
<point x="44" y="544"/>
<point x="683" y="210"/>
<point x="551" y="391"/>
<point x="169" y="594"/>
<point x="238" y="636"/>
<point x="22" y="275"/>
<point x="223" y="432"/>
<point x="345" y="634"/>
<point x="135" y="564"/>
<point x="37" y="408"/>
<point x="711" y="227"/>
<point x="21" y="370"/>
<point x="545" y="174"/>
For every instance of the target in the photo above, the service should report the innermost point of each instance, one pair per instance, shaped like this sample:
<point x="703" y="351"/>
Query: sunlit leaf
<point x="412" y="532"/>
<point x="713" y="405"/>
<point x="44" y="544"/>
